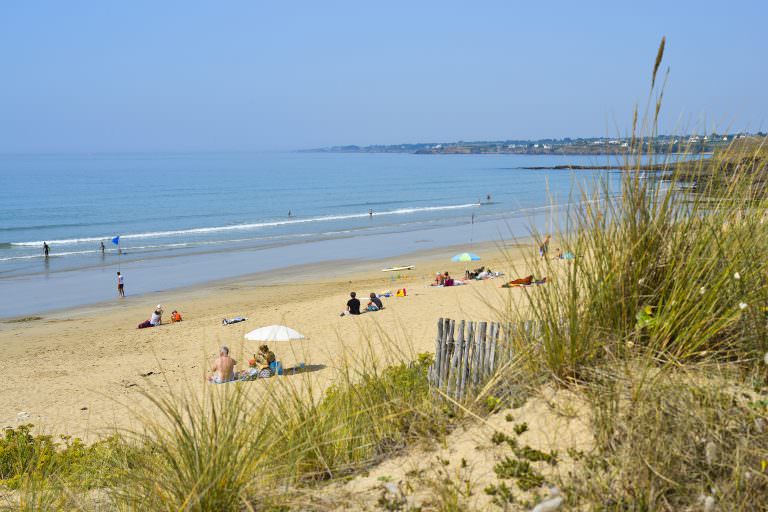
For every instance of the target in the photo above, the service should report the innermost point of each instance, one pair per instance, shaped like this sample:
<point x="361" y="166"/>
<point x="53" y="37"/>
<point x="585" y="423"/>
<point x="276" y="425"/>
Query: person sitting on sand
<point x="265" y="359"/>
<point x="375" y="303"/>
<point x="223" y="369"/>
<point x="175" y="316"/>
<point x="438" y="279"/>
<point x="447" y="280"/>
<point x="558" y="254"/>
<point x="157" y="316"/>
<point x="353" y="304"/>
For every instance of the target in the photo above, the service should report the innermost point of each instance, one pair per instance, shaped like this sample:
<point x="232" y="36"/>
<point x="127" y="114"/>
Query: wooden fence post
<point x="433" y="371"/>
<point x="481" y="349"/>
<point x="448" y="352"/>
<point x="492" y="351"/>
<point x="465" y="362"/>
<point x="454" y="372"/>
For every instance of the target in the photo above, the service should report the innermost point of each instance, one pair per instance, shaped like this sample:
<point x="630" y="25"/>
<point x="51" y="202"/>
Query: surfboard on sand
<point x="395" y="269"/>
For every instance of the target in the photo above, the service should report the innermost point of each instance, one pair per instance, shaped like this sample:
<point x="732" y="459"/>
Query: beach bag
<point x="400" y="292"/>
<point x="276" y="367"/>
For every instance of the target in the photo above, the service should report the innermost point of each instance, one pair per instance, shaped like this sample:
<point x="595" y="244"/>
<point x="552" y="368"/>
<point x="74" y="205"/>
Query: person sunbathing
<point x="236" y="320"/>
<point x="223" y="369"/>
<point x="523" y="281"/>
<point x="485" y="274"/>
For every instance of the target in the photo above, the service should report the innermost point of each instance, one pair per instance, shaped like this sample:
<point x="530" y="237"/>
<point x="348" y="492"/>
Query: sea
<point x="188" y="218"/>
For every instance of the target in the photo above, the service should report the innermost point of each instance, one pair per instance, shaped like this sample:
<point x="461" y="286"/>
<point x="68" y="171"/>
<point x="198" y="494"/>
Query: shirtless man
<point x="223" y="369"/>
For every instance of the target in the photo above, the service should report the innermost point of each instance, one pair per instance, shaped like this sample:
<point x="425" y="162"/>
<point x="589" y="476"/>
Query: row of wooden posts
<point x="468" y="353"/>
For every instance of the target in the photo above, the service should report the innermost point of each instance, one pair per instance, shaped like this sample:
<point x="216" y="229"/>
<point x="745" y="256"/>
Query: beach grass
<point x="223" y="451"/>
<point x="659" y="321"/>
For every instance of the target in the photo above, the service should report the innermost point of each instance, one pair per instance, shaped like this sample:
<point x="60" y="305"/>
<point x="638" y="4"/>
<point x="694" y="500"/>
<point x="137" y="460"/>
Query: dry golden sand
<point x="557" y="421"/>
<point x="80" y="371"/>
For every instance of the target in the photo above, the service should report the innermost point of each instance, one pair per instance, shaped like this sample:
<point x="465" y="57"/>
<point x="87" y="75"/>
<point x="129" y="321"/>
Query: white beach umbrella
<point x="274" y="333"/>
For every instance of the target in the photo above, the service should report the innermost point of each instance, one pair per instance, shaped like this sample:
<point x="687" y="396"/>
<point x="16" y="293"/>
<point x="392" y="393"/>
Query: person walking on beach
<point x="102" y="248"/>
<point x="120" y="285"/>
<point x="46" y="249"/>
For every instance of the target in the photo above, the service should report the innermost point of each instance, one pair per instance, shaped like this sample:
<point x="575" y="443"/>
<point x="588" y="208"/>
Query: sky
<point x="246" y="75"/>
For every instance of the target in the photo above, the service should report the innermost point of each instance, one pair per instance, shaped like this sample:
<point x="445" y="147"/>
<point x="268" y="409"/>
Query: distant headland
<point x="690" y="144"/>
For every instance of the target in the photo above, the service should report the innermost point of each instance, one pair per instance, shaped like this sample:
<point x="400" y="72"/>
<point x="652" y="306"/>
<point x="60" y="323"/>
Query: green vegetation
<point x="23" y="455"/>
<point x="502" y="494"/>
<point x="521" y="471"/>
<point x="520" y="428"/>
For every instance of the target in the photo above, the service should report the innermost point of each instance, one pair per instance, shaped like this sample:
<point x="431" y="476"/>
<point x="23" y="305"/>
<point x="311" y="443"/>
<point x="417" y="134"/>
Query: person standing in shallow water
<point x="46" y="249"/>
<point x="102" y="248"/>
<point x="120" y="285"/>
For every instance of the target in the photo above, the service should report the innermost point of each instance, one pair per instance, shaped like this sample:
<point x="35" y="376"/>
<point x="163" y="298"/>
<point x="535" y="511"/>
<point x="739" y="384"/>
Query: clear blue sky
<point x="248" y="75"/>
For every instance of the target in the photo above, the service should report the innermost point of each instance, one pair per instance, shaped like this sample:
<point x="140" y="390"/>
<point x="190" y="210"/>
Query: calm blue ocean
<point x="187" y="206"/>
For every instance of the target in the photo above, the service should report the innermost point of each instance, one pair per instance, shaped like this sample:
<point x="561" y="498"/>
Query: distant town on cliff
<point x="565" y="146"/>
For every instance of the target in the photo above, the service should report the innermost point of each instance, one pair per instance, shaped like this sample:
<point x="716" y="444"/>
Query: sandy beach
<point x="82" y="371"/>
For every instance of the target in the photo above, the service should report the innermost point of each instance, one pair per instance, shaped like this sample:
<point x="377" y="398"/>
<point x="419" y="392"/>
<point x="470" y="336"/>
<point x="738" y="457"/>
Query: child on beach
<point x="353" y="305"/>
<point x="120" y="285"/>
<point x="375" y="303"/>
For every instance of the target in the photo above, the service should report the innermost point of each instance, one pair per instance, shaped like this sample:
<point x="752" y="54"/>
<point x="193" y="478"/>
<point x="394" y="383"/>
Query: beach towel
<point x="235" y="320"/>
<point x="523" y="281"/>
<point x="218" y="380"/>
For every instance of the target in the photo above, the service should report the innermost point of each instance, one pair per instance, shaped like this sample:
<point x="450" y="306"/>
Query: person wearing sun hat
<point x="157" y="316"/>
